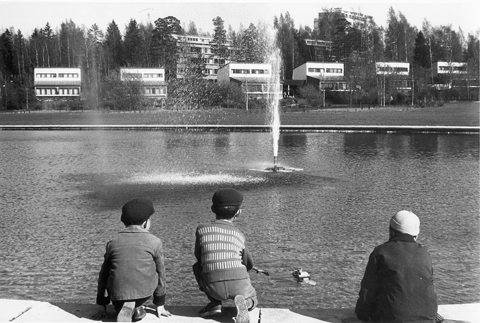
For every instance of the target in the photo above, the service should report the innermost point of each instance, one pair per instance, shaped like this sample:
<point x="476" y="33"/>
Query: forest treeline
<point x="100" y="54"/>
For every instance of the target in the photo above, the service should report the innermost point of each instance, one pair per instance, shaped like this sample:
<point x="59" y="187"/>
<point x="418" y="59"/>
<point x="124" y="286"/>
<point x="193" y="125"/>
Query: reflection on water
<point x="63" y="191"/>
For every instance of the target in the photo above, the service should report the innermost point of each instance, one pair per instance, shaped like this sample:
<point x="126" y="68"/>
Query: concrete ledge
<point x="36" y="311"/>
<point x="254" y="128"/>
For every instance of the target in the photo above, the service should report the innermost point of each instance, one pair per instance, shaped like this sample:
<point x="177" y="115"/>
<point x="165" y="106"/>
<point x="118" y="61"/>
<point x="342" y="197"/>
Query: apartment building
<point x="319" y="50"/>
<point x="355" y="18"/>
<point x="198" y="46"/>
<point x="256" y="80"/>
<point x="57" y="82"/>
<point x="324" y="75"/>
<point x="454" y="75"/>
<point x="153" y="80"/>
<point x="394" y="79"/>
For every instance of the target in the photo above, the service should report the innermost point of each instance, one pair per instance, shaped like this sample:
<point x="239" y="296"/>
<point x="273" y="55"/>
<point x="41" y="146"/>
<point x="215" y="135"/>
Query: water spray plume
<point x="274" y="94"/>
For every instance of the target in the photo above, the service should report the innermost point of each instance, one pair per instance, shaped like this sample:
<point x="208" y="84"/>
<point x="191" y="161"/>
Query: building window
<point x="240" y="71"/>
<point x="153" y="75"/>
<point x="126" y="75"/>
<point x="259" y="71"/>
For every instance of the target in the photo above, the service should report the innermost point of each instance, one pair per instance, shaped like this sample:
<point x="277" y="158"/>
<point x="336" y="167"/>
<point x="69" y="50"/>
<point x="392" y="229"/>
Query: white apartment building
<point x="449" y="68"/>
<point x="190" y="45"/>
<point x="57" y="82"/>
<point x="392" y="68"/>
<point x="153" y="80"/>
<point x="351" y="16"/>
<point x="255" y="79"/>
<point x="327" y="76"/>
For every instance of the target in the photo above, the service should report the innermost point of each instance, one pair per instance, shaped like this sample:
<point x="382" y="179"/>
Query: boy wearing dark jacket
<point x="223" y="260"/>
<point x="398" y="281"/>
<point x="133" y="267"/>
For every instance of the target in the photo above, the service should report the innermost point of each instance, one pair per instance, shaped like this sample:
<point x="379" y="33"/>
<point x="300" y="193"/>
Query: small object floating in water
<point x="302" y="276"/>
<point x="278" y="169"/>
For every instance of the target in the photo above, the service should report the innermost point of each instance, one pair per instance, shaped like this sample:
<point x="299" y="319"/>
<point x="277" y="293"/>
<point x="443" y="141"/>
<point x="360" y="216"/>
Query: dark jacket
<point x="398" y="283"/>
<point x="133" y="268"/>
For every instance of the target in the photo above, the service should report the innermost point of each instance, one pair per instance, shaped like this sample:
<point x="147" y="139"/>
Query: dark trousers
<point x="138" y="302"/>
<point x="228" y="289"/>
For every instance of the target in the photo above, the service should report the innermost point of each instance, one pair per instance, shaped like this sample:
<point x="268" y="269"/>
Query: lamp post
<point x="246" y="92"/>
<point x="4" y="94"/>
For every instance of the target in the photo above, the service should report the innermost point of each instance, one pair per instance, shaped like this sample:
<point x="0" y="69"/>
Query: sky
<point x="28" y="15"/>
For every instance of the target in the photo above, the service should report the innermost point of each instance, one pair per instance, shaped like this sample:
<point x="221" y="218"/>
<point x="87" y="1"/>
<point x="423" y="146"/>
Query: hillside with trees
<point x="100" y="54"/>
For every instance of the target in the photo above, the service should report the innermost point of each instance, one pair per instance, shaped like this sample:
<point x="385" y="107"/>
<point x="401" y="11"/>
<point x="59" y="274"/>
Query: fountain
<point x="274" y="94"/>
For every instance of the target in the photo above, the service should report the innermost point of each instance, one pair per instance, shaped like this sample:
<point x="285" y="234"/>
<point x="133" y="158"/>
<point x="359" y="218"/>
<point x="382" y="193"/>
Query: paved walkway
<point x="36" y="311"/>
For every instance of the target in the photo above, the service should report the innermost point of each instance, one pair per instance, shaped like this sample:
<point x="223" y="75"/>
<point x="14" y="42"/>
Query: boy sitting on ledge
<point x="133" y="268"/>
<point x="398" y="282"/>
<point x="223" y="260"/>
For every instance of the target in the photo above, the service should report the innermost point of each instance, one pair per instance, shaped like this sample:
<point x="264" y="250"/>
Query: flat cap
<point x="137" y="211"/>
<point x="227" y="197"/>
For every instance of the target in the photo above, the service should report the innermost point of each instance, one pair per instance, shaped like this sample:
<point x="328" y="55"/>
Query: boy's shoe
<point x="242" y="310"/>
<point x="139" y="313"/>
<point x="126" y="313"/>
<point x="210" y="309"/>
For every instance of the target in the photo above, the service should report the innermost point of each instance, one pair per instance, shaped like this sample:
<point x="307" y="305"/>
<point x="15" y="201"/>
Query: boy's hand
<point x="161" y="311"/>
<point x="101" y="313"/>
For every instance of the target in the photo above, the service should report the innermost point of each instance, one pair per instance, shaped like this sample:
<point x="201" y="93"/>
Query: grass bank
<point x="451" y="114"/>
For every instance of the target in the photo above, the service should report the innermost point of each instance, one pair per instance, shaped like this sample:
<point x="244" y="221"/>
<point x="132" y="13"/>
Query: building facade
<point x="57" y="83"/>
<point x="324" y="75"/>
<point x="319" y="50"/>
<point x="199" y="47"/>
<point x="355" y="18"/>
<point x="153" y="80"/>
<point x="455" y="76"/>
<point x="256" y="80"/>
<point x="394" y="79"/>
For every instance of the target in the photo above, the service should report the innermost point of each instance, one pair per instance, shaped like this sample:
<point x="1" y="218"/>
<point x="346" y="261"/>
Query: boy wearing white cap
<point x="398" y="282"/>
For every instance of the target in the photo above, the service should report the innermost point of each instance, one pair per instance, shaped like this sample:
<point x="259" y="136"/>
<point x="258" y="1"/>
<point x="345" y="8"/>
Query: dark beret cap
<point x="227" y="197"/>
<point x="137" y="211"/>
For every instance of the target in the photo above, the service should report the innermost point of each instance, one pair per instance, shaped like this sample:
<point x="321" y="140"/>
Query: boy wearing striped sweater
<point x="223" y="260"/>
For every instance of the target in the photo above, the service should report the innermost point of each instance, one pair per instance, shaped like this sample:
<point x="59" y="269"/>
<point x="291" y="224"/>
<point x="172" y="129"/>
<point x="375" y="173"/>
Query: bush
<point x="312" y="95"/>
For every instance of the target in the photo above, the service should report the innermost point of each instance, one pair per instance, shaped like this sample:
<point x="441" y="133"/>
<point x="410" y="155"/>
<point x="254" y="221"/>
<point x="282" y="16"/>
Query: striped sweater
<point x="220" y="249"/>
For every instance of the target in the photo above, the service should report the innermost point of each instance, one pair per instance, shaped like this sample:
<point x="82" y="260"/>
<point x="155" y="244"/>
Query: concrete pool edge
<point x="255" y="128"/>
<point x="39" y="311"/>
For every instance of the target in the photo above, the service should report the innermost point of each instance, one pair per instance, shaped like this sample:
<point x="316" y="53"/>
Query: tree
<point x="113" y="47"/>
<point x="164" y="46"/>
<point x="219" y="42"/>
<point x="48" y="43"/>
<point x="421" y="53"/>
<point x="250" y="44"/>
<point x="146" y="32"/>
<point x="399" y="38"/>
<point x="133" y="45"/>
<point x="285" y="42"/>
<point x="192" y="29"/>
<point x="9" y="67"/>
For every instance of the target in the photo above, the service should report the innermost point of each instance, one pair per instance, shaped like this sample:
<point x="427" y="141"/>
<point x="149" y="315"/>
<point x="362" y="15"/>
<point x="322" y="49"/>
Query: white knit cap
<point x="406" y="222"/>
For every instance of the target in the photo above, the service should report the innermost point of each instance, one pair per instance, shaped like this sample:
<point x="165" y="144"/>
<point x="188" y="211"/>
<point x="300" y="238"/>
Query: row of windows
<point x="155" y="90"/>
<point x="321" y="70"/>
<point x="140" y="75"/>
<point x="132" y="75"/>
<point x="248" y="71"/>
<point x="392" y="69"/>
<point x="59" y="91"/>
<point x="208" y="71"/>
<point x="462" y="68"/>
<point x="153" y="75"/>
<point x="54" y="75"/>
